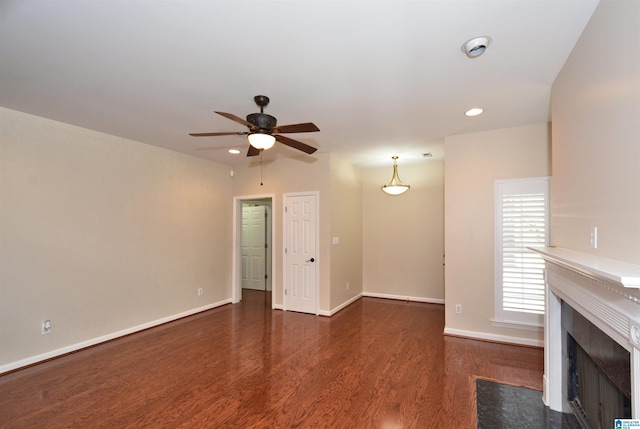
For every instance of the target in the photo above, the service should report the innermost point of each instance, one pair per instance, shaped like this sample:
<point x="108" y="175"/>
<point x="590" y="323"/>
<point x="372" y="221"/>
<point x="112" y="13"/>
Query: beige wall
<point x="286" y="175"/>
<point x="473" y="163"/>
<point x="596" y="137"/>
<point x="403" y="236"/>
<point x="101" y="234"/>
<point x="346" y="224"/>
<point x="338" y="184"/>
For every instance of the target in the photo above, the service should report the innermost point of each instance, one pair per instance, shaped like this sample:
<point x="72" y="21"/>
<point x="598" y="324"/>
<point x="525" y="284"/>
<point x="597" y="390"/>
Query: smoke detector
<point x="475" y="47"/>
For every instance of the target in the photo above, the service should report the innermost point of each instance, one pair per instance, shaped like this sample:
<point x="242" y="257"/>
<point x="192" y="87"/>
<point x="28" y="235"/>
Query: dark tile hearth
<point x="505" y="406"/>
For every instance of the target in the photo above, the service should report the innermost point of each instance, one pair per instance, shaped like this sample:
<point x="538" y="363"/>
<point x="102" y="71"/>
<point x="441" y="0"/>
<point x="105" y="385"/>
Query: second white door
<point x="254" y="247"/>
<point x="301" y="260"/>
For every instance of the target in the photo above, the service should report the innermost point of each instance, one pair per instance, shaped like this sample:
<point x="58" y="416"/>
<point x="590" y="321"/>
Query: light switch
<point x="336" y="240"/>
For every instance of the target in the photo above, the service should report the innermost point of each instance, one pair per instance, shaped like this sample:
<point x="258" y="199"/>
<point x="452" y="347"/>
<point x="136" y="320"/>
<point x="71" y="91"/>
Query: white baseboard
<point x="373" y="295"/>
<point x="340" y="307"/>
<point x="404" y="298"/>
<point x="379" y="295"/>
<point x="493" y="337"/>
<point x="104" y="338"/>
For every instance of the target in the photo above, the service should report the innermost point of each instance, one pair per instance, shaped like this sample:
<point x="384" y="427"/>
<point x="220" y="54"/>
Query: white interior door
<point x="254" y="247"/>
<point x="301" y="259"/>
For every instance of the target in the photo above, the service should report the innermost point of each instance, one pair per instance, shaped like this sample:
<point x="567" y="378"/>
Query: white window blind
<point x="521" y="222"/>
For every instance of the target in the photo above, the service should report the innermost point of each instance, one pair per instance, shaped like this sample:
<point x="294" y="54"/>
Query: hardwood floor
<point x="376" y="364"/>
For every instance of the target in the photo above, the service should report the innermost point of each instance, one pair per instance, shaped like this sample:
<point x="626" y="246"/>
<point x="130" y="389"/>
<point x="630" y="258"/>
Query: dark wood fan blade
<point x="253" y="151"/>
<point x="296" y="144"/>
<point x="244" y="133"/>
<point x="306" y="127"/>
<point x="236" y="119"/>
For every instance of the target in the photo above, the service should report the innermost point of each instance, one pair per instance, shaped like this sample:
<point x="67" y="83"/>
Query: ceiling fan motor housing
<point x="262" y="121"/>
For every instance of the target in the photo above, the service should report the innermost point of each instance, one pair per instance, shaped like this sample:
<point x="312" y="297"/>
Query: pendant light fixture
<point x="395" y="186"/>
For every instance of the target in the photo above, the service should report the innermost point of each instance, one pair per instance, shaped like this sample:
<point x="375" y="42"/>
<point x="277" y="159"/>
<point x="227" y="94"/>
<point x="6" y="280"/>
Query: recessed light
<point x="474" y="112"/>
<point x="234" y="151"/>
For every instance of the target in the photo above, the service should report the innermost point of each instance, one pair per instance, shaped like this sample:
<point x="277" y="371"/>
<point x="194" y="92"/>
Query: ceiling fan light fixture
<point x="262" y="128"/>
<point x="395" y="186"/>
<point x="261" y="140"/>
<point x="475" y="47"/>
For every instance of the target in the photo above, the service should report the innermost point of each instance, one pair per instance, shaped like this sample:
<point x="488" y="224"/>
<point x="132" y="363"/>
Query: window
<point x="521" y="221"/>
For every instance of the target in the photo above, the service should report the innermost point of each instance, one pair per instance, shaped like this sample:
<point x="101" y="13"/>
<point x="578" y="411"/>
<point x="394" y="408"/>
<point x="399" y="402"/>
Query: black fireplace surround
<point x="598" y="372"/>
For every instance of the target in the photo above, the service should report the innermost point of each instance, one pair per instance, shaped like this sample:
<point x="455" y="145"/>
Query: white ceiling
<point x="379" y="78"/>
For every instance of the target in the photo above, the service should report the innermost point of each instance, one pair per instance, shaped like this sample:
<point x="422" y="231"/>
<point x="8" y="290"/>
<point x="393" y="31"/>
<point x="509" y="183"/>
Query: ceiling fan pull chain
<point x="261" y="167"/>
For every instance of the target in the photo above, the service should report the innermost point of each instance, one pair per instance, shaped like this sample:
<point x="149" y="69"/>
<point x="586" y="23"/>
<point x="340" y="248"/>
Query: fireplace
<point x="598" y="372"/>
<point x="592" y="335"/>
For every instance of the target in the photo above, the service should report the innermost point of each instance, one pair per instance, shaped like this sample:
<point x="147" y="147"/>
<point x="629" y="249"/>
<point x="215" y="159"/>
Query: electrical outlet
<point x="348" y="284"/>
<point x="458" y="308"/>
<point x="46" y="327"/>
<point x="200" y="291"/>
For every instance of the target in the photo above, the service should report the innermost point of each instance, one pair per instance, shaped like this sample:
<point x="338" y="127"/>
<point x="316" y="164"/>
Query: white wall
<point x="403" y="235"/>
<point x="473" y="163"/>
<point x="101" y="234"/>
<point x="596" y="137"/>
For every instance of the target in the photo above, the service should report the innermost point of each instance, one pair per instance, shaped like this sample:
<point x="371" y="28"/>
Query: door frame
<point x="285" y="196"/>
<point x="236" y="259"/>
<point x="266" y="240"/>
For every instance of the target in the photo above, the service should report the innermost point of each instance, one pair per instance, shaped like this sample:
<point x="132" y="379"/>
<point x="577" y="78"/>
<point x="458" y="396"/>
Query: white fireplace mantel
<point x="607" y="293"/>
<point x="625" y="274"/>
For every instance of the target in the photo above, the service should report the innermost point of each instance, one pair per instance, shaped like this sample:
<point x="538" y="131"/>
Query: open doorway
<point x="253" y="226"/>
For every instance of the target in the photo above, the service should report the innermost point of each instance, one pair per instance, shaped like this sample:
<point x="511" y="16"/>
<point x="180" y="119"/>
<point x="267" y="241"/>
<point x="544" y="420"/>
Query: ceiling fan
<point x="264" y="131"/>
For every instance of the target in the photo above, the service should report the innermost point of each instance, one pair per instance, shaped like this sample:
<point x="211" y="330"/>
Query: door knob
<point x="311" y="260"/>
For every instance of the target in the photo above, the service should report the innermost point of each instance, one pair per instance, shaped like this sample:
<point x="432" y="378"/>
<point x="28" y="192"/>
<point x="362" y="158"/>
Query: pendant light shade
<point x="395" y="186"/>
<point x="261" y="141"/>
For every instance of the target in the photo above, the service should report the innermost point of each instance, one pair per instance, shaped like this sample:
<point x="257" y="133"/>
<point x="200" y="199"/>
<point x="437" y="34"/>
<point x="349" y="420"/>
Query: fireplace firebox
<point x="598" y="372"/>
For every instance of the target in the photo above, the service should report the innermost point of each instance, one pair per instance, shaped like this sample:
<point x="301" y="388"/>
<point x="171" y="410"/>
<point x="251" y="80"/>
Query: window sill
<point x="517" y="325"/>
